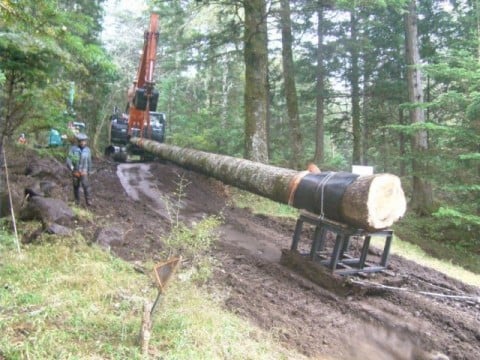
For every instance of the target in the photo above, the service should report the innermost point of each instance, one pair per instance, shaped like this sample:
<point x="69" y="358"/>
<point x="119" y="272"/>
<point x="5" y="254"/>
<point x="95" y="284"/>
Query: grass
<point x="63" y="299"/>
<point x="438" y="238"/>
<point x="197" y="328"/>
<point x="261" y="205"/>
<point x="417" y="254"/>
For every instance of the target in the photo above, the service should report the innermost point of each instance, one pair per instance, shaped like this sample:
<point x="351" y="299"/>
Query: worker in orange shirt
<point x="22" y="140"/>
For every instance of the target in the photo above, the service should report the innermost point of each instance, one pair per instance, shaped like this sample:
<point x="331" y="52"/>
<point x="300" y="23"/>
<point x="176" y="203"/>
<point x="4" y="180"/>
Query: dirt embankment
<point x="136" y="199"/>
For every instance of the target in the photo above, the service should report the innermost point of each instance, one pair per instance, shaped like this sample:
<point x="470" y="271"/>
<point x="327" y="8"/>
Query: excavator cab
<point x="119" y="129"/>
<point x="120" y="148"/>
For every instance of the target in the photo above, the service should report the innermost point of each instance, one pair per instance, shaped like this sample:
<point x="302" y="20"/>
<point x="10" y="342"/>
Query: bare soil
<point x="136" y="199"/>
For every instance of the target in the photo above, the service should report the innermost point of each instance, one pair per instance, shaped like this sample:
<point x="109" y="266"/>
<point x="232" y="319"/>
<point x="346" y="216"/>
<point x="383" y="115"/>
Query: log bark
<point x="371" y="202"/>
<point x="264" y="180"/>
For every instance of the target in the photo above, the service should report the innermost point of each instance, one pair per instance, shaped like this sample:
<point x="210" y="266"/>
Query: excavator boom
<point x="141" y="119"/>
<point x="144" y="95"/>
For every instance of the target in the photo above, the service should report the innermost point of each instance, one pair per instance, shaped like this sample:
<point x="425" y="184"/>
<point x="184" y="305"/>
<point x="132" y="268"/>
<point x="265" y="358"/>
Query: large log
<point x="370" y="202"/>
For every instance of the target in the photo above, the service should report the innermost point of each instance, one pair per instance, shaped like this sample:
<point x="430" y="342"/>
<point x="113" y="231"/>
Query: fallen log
<point x="370" y="202"/>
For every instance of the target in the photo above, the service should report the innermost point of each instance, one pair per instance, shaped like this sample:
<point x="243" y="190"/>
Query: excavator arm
<point x="142" y="96"/>
<point x="141" y="119"/>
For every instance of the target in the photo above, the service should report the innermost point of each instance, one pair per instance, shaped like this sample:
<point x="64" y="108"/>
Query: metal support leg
<point x="386" y="248"/>
<point x="336" y="251"/>
<point x="346" y="244"/>
<point x="340" y="260"/>
<point x="318" y="242"/>
<point x="296" y="234"/>
<point x="363" y="255"/>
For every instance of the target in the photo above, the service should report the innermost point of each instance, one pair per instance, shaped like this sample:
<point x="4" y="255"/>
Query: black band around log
<point x="309" y="192"/>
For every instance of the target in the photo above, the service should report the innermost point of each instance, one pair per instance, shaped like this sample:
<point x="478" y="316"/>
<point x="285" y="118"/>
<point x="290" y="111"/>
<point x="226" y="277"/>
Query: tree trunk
<point x="355" y="83"/>
<point x="290" y="87"/>
<point x="371" y="202"/>
<point x="477" y="123"/>
<point x="319" y="156"/>
<point x="422" y="194"/>
<point x="402" y="148"/>
<point x="477" y="20"/>
<point x="366" y="123"/>
<point x="256" y="58"/>
<point x="226" y="86"/>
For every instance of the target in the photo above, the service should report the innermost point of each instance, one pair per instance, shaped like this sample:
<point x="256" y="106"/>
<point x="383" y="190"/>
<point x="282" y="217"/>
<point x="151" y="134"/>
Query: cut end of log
<point x="386" y="201"/>
<point x="373" y="202"/>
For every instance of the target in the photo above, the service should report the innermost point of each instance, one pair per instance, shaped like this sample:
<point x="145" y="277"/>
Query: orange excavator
<point x="141" y="118"/>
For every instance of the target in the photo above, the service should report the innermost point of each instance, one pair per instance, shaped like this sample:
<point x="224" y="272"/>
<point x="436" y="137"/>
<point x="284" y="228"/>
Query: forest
<point x="392" y="84"/>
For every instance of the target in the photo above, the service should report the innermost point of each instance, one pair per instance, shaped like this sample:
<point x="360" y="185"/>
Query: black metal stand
<point x="340" y="260"/>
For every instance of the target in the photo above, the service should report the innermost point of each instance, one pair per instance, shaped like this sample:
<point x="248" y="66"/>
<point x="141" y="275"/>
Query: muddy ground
<point x="136" y="200"/>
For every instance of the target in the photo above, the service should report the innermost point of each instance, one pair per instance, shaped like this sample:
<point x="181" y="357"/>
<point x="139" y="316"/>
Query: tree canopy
<point x="44" y="47"/>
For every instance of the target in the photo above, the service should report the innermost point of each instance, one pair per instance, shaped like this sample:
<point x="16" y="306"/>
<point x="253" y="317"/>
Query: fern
<point x="458" y="218"/>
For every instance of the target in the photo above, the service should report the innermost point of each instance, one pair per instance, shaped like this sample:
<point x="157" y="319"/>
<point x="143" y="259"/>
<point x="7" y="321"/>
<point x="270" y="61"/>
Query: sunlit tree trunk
<point x="476" y="125"/>
<point x="476" y="5"/>
<point x="422" y="194"/>
<point x="319" y="156"/>
<point x="366" y="123"/>
<point x="226" y="86"/>
<point x="256" y="67"/>
<point x="401" y="140"/>
<point x="355" y="83"/>
<point x="290" y="87"/>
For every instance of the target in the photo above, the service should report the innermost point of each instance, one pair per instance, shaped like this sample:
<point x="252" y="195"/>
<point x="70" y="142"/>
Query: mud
<point x="404" y="322"/>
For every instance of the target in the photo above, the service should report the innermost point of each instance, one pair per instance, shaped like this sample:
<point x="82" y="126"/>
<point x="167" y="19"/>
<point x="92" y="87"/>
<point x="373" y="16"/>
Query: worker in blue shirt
<point x="79" y="162"/>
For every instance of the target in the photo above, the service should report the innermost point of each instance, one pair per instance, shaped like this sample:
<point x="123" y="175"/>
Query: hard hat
<point x="81" y="137"/>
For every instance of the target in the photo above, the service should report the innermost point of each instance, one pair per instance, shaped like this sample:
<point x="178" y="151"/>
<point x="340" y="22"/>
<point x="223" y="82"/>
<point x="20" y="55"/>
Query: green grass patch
<point x="260" y="205"/>
<point x="194" y="243"/>
<point x="453" y="244"/>
<point x="194" y="326"/>
<point x="67" y="300"/>
<point x="417" y="254"/>
<point x="193" y="240"/>
<point x="83" y="214"/>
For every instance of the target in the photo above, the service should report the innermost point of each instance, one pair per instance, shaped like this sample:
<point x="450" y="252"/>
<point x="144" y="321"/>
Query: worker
<point x="79" y="162"/>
